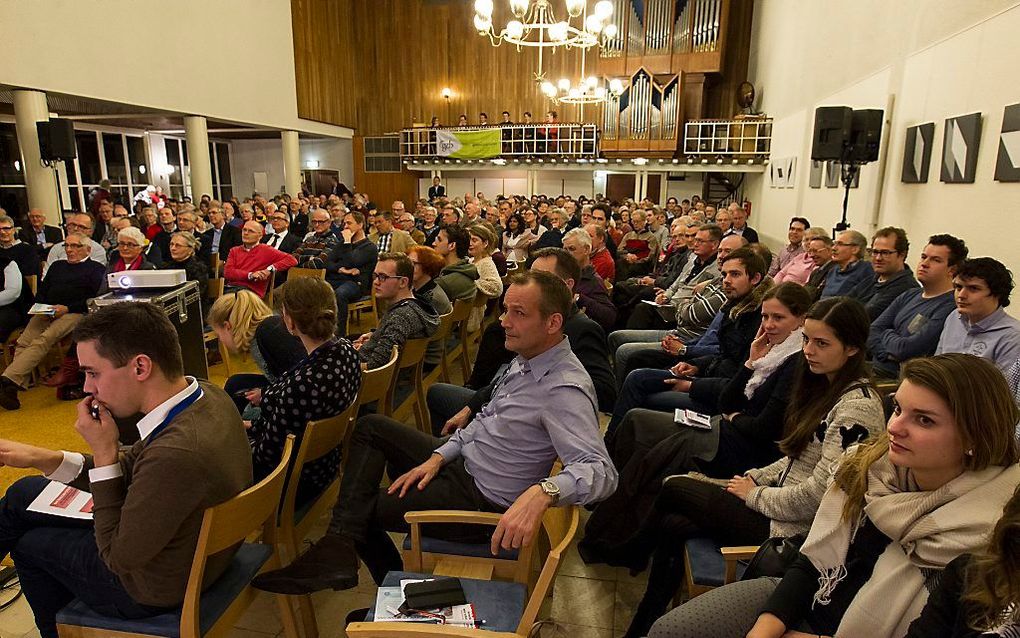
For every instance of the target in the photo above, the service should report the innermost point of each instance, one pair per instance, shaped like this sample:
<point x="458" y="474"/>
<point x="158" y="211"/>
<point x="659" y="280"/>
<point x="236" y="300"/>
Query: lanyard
<point x="172" y="414"/>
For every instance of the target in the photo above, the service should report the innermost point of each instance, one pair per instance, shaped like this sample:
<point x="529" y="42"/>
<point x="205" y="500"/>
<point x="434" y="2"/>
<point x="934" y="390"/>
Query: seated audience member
<point x="850" y="268"/>
<point x="586" y="337"/>
<point x="427" y="266"/>
<point x="778" y="499"/>
<point x="134" y="560"/>
<point x="221" y="235"/>
<point x="68" y="284"/>
<point x="281" y="238"/>
<point x="739" y="215"/>
<point x="322" y="385"/>
<point x="451" y="215"/>
<point x="601" y="259"/>
<point x="387" y="238"/>
<point x="601" y="216"/>
<point x="39" y="234"/>
<point x="349" y="267"/>
<point x="481" y="244"/>
<point x="669" y="265"/>
<point x="318" y="243"/>
<point x="980" y="325"/>
<point x="167" y="227"/>
<point x="15" y="298"/>
<point x="478" y="468"/>
<point x="552" y="238"/>
<point x="892" y="276"/>
<point x="911" y="326"/>
<point x="183" y="256"/>
<point x="590" y="289"/>
<point x="251" y="264"/>
<point x="900" y="508"/>
<point x="801" y="267"/>
<point x="406" y="223"/>
<point x="430" y="225"/>
<point x="13" y="249"/>
<point x="702" y="266"/>
<point x="128" y="255"/>
<point x="795" y="235"/>
<point x="458" y="276"/>
<point x="722" y="218"/>
<point x="638" y="248"/>
<point x="407" y="316"/>
<point x="148" y="222"/>
<point x="82" y="224"/>
<point x="694" y="384"/>
<point x="516" y="239"/>
<point x="977" y="594"/>
<point x="244" y="324"/>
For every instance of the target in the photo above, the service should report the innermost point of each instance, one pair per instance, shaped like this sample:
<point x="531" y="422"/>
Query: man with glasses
<point x="67" y="285"/>
<point x="251" y="264"/>
<point x="388" y="238"/>
<point x="406" y="223"/>
<point x="221" y="236"/>
<point x="892" y="276"/>
<point x="13" y="249"/>
<point x="408" y="317"/>
<point x="40" y="234"/>
<point x="851" y="269"/>
<point x="281" y="238"/>
<point x="669" y="265"/>
<point x="795" y="235"/>
<point x="819" y="249"/>
<point x="315" y="249"/>
<point x="82" y="224"/>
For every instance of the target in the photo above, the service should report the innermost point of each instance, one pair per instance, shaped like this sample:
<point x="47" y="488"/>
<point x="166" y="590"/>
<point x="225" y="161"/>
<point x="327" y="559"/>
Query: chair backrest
<point x="560" y="526"/>
<point x="214" y="288"/>
<point x="313" y="273"/>
<point x="268" y="297"/>
<point x="375" y="383"/>
<point x="412" y="353"/>
<point x="215" y="263"/>
<point x="228" y="524"/>
<point x="32" y="281"/>
<point x="461" y="310"/>
<point x="445" y="327"/>
<point x="319" y="439"/>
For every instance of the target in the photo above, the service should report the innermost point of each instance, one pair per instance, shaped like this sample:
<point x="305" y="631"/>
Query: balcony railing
<point x="517" y="141"/>
<point x="742" y="138"/>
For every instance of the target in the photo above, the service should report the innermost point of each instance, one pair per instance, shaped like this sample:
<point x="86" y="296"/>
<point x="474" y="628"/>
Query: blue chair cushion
<point x="708" y="567"/>
<point x="499" y="604"/>
<point x="246" y="563"/>
<point x="439" y="546"/>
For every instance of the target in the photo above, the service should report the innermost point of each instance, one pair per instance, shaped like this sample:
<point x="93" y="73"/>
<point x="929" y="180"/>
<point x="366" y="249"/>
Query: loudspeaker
<point x="56" y="139"/>
<point x="832" y="132"/>
<point x="865" y="135"/>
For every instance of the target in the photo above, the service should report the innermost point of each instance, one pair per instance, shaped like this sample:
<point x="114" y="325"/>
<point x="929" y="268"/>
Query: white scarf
<point x="768" y="364"/>
<point x="928" y="529"/>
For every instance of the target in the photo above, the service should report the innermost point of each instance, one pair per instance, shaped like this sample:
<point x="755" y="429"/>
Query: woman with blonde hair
<point x="245" y="324"/>
<point x="489" y="283"/>
<point x="898" y="511"/>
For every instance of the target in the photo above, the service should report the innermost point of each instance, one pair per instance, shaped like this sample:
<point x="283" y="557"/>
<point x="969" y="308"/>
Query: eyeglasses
<point x="382" y="277"/>
<point x="127" y="244"/>
<point x="67" y="245"/>
<point x="842" y="243"/>
<point x="884" y="253"/>
<point x="75" y="225"/>
<point x="699" y="240"/>
<point x="321" y="221"/>
<point x="6" y="228"/>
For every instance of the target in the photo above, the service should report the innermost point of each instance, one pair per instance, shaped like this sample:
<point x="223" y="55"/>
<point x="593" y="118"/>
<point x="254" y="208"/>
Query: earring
<point x="970" y="452"/>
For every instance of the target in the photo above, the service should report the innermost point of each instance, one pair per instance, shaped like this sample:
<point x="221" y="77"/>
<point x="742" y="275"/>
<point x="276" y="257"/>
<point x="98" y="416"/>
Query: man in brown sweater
<point x="148" y="502"/>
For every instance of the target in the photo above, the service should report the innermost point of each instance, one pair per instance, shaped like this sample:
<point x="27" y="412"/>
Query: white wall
<point x="266" y="156"/>
<point x="929" y="60"/>
<point x="228" y="59"/>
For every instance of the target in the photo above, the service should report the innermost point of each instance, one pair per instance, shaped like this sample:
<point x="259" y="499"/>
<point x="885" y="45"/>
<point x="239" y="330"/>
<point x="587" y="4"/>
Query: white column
<point x="291" y="162"/>
<point x="640" y="185"/>
<point x="197" y="134"/>
<point x="41" y="181"/>
<point x="532" y="182"/>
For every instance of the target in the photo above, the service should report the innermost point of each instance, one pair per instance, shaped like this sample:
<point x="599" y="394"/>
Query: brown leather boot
<point x="67" y="373"/>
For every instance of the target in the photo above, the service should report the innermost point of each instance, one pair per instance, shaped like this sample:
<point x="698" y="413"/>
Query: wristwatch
<point x="550" y="489"/>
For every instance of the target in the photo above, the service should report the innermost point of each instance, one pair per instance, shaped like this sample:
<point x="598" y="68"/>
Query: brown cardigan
<point x="147" y="521"/>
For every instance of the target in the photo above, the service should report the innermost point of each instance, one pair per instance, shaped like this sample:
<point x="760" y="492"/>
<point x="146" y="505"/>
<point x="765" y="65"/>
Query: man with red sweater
<point x="251" y="264"/>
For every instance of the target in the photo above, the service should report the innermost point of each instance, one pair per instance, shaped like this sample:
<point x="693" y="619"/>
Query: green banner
<point x="481" y="144"/>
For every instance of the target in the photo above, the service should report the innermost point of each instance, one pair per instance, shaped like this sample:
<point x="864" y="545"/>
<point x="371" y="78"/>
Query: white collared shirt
<point x="73" y="462"/>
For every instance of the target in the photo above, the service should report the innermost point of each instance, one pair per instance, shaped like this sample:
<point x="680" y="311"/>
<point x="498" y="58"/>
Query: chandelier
<point x="586" y="92"/>
<point x="535" y="25"/>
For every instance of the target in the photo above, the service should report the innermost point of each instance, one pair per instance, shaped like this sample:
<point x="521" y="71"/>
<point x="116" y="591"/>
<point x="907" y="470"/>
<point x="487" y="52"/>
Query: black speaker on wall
<point x="56" y="140"/>
<point x="832" y="132"/>
<point x="865" y="135"/>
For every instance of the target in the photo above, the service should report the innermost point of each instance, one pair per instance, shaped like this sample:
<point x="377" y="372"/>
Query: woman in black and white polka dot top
<point x="322" y="385"/>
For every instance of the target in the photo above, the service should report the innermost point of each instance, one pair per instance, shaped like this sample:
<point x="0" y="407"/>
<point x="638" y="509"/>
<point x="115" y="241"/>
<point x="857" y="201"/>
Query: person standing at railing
<point x="507" y="133"/>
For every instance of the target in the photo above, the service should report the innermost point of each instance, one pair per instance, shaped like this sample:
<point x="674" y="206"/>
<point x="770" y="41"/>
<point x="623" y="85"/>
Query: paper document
<point x="42" y="309"/>
<point x="58" y="499"/>
<point x="389" y="599"/>
<point x="651" y="302"/>
<point x="693" y="419"/>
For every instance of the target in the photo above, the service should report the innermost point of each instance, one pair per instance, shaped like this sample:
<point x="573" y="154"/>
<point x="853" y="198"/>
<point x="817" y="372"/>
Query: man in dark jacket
<point x="221" y="236"/>
<point x="626" y="294"/>
<point x="892" y="276"/>
<point x="40" y="234"/>
<point x="349" y="266"/>
<point x="590" y="292"/>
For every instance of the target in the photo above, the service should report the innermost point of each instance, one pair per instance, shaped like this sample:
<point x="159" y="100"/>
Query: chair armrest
<point x="742" y="552"/>
<point x="452" y="516"/>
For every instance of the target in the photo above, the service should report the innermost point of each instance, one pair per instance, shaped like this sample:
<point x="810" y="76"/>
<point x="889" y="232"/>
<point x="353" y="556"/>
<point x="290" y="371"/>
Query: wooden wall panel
<point x="324" y="66"/>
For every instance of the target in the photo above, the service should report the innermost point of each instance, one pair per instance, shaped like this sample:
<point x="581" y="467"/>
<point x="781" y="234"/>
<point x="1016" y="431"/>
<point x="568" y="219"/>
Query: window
<point x="91" y="172"/>
<point x="219" y="153"/>
<point x="382" y="154"/>
<point x="136" y="160"/>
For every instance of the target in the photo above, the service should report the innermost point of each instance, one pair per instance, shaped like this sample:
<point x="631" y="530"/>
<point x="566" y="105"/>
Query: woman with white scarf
<point x="832" y="406"/>
<point x="898" y="510"/>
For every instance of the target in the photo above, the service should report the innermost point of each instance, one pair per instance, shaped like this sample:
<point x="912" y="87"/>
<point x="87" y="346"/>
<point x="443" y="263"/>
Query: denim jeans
<point x="646" y="388"/>
<point x="624" y="343"/>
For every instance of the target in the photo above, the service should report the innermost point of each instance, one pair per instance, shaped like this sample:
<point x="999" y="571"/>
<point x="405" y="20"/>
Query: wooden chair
<point x="461" y="313"/>
<point x="469" y="337"/>
<point x="268" y="297"/>
<point x="442" y="336"/>
<point x="505" y="606"/>
<point x="375" y="384"/>
<point x="365" y="304"/>
<point x="412" y="356"/>
<point x="215" y="266"/>
<point x="314" y="273"/>
<point x="32" y="281"/>
<point x="214" y="611"/>
<point x="707" y="565"/>
<point x="319" y="439"/>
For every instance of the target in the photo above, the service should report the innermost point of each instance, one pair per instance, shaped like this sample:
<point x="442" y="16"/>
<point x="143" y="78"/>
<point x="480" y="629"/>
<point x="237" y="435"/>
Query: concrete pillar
<point x="41" y="181"/>
<point x="291" y="162"/>
<point x="197" y="134"/>
<point x="532" y="182"/>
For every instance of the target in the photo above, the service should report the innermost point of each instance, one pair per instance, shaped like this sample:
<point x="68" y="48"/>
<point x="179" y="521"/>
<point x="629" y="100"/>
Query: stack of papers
<point x="388" y="601"/>
<point x="693" y="419"/>
<point x="42" y="309"/>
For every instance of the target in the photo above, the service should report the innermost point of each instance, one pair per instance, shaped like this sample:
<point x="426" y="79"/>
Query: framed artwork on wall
<point x="960" y="143"/>
<point x="917" y="153"/>
<point x="1007" y="164"/>
<point x="816" y="174"/>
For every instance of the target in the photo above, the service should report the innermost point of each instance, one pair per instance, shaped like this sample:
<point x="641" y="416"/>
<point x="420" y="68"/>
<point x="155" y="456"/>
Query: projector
<point x="145" y="279"/>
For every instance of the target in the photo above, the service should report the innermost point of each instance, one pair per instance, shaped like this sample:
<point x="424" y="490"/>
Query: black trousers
<point x="492" y="354"/>
<point x="646" y="317"/>
<point x="365" y="512"/>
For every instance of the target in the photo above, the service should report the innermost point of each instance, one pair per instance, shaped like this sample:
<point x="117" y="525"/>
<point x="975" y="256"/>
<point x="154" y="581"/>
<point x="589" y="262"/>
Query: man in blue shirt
<point x="850" y="268"/>
<point x="541" y="409"/>
<point x="910" y="327"/>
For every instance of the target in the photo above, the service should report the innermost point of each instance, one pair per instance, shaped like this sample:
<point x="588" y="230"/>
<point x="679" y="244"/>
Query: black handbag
<point x="773" y="557"/>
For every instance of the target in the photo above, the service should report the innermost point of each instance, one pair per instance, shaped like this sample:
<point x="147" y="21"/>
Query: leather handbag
<point x="773" y="557"/>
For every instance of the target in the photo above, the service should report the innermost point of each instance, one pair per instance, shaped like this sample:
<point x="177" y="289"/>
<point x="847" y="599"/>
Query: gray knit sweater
<point x="789" y="490"/>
